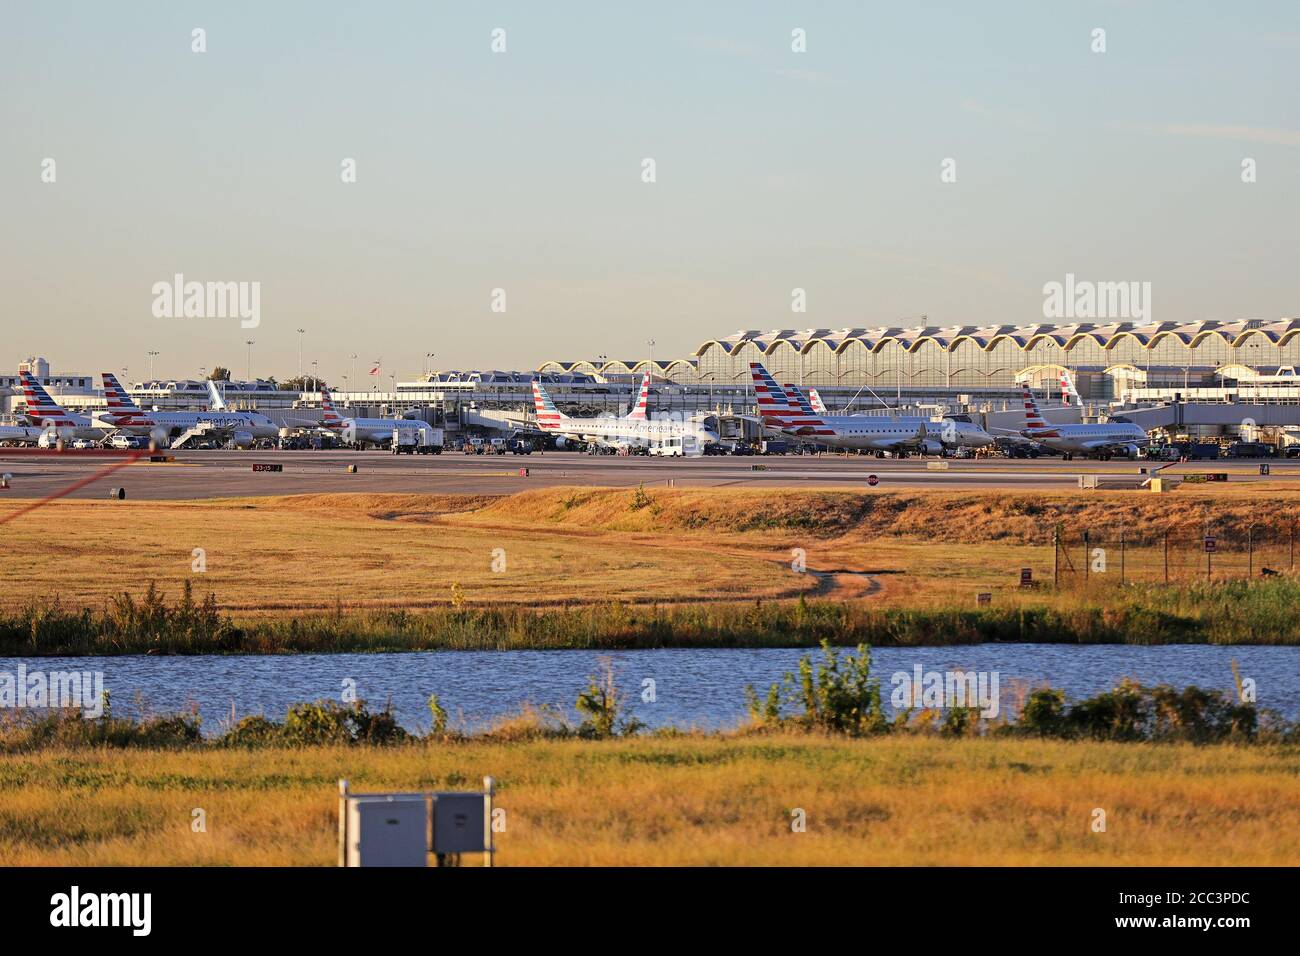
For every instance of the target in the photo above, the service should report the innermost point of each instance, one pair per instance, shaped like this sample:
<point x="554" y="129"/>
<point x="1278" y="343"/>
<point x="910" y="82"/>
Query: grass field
<point x="281" y="556"/>
<point x="712" y="565"/>
<point x="686" y="800"/>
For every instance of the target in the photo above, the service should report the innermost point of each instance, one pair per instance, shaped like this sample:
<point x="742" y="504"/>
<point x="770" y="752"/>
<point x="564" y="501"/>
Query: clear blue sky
<point x="521" y="170"/>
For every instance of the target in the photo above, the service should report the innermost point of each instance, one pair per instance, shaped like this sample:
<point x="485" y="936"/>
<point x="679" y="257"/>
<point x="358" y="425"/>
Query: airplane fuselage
<point x="1089" y="439"/>
<point x="636" y="433"/>
<point x="176" y="423"/>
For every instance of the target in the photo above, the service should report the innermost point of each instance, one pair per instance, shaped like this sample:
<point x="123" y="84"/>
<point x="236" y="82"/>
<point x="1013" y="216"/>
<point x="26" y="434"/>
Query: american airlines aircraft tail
<point x="1069" y="394"/>
<point x="1035" y="426"/>
<point x="122" y="409"/>
<point x="638" y="412"/>
<point x="331" y="418"/>
<point x="796" y="397"/>
<point x="40" y="407"/>
<point x="773" y="404"/>
<point x="818" y="405"/>
<point x="117" y="398"/>
<point x="548" y="416"/>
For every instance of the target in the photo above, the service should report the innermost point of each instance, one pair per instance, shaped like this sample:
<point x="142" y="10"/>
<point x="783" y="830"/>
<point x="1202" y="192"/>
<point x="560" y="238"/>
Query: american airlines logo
<point x="1075" y="299"/>
<point x="208" y="300"/>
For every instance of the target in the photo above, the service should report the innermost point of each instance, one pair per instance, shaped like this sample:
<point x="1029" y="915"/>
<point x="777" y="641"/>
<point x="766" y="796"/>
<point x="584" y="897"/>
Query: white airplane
<point x="55" y="422"/>
<point x="1114" y="437"/>
<point x="668" y="436"/>
<point x="123" y="413"/>
<point x="945" y="433"/>
<point x="366" y="431"/>
<point x="21" y="434"/>
<point x="862" y="432"/>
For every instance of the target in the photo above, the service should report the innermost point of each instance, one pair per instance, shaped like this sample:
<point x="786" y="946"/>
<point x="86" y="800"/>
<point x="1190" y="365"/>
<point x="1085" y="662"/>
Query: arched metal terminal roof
<point x="1148" y="335"/>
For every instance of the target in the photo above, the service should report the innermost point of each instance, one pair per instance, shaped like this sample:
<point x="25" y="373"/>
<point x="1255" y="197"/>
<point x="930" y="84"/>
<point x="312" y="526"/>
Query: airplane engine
<point x="1132" y="451"/>
<point x="561" y="443"/>
<point x="932" y="447"/>
<point x="157" y="437"/>
<point x="242" y="439"/>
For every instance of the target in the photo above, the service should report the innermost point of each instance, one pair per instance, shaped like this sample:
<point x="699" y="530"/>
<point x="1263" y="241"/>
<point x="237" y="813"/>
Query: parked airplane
<point x="123" y="413"/>
<point x="55" y="422"/>
<point x="1118" y="436"/>
<point x="861" y="432"/>
<point x="944" y="433"/>
<point x="366" y="431"/>
<point x="672" y="437"/>
<point x="21" y="434"/>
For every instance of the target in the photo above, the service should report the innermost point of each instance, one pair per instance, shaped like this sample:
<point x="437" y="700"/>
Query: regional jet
<point x="671" y="437"/>
<point x="861" y="432"/>
<point x="1117" y="436"/>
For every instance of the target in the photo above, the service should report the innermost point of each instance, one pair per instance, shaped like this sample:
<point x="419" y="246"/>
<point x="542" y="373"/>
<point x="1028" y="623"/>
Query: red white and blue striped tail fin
<point x="122" y="409"/>
<point x="330" y="418"/>
<point x="40" y="407"/>
<point x="1069" y="394"/>
<point x="548" y="416"/>
<point x="116" y="397"/>
<point x="819" y="407"/>
<point x="799" y="399"/>
<point x="773" y="405"/>
<point x="640" y="409"/>
<point x="1035" y="426"/>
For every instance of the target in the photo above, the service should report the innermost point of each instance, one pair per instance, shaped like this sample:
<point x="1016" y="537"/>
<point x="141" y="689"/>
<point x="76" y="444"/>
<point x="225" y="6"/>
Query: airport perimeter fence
<point x="1085" y="557"/>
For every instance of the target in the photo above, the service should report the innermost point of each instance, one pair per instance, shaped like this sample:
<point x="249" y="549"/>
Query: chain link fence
<point x="1133" y="556"/>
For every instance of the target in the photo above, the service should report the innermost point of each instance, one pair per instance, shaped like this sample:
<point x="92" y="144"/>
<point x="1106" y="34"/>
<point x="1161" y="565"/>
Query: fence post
<point x="1087" y="567"/>
<point x="1121" y="558"/>
<point x="1166" y="557"/>
<point x="1250" y="552"/>
<point x="1056" y="556"/>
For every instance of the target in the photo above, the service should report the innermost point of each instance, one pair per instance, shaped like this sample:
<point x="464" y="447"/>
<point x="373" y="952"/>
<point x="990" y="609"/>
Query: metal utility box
<point x="387" y="831"/>
<point x="459" y="825"/>
<point x="402" y="829"/>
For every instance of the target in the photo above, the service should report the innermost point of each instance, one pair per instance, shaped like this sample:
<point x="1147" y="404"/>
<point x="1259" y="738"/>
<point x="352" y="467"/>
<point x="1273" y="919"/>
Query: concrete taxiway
<point x="209" y="474"/>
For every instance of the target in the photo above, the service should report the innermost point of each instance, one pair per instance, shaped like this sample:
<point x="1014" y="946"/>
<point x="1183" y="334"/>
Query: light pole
<point x="248" y="376"/>
<point x="651" y="343"/>
<point x="301" y="333"/>
<point x="314" y="368"/>
<point x="151" y="357"/>
<point x="354" y="366"/>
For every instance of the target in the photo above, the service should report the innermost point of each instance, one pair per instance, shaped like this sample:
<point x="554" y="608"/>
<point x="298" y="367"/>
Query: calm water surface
<point x="693" y="687"/>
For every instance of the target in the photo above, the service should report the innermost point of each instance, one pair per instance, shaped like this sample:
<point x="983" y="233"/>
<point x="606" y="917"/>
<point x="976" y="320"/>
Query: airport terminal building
<point x="919" y="361"/>
<point x="947" y="368"/>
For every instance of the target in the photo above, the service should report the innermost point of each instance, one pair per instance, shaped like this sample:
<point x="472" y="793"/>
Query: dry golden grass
<point x="286" y="555"/>
<point x="690" y="800"/>
<point x="581" y="545"/>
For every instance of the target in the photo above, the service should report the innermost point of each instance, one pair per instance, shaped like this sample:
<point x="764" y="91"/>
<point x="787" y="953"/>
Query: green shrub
<point x="601" y="704"/>
<point x="837" y="697"/>
<point x="254" y="731"/>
